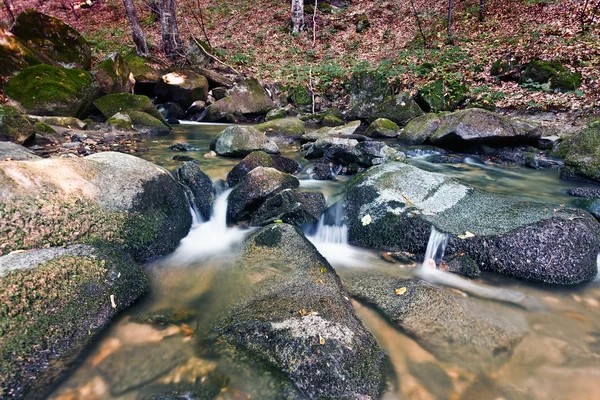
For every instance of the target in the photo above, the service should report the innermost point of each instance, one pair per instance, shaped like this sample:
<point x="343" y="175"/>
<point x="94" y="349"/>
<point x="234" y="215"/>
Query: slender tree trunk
<point x="9" y="10"/>
<point x="141" y="47"/>
<point x="481" y="7"/>
<point x="168" y="23"/>
<point x="297" y="16"/>
<point x="412" y="3"/>
<point x="450" y="39"/>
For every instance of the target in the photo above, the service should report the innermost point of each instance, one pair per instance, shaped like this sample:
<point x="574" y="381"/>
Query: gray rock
<point x="236" y="141"/>
<point x="382" y="127"/>
<point x="251" y="161"/>
<point x="14" y="151"/>
<point x="283" y="128"/>
<point x="112" y="75"/>
<point x="196" y="53"/>
<point x="420" y="128"/>
<point x="290" y="207"/>
<point x="182" y="146"/>
<point x="588" y="193"/>
<point x="182" y="86"/>
<point x="582" y="162"/>
<point x="246" y="97"/>
<point x="276" y="113"/>
<point x="172" y="111"/>
<point x="31" y="259"/>
<point x="348" y="129"/>
<point x="199" y="184"/>
<point x="348" y="151"/>
<point x="532" y="241"/>
<point x="456" y="330"/>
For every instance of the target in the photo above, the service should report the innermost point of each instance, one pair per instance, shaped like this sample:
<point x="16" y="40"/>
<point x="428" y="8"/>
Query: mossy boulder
<point x="441" y="95"/>
<point x="507" y="69"/>
<point x="251" y="161"/>
<point x="557" y="75"/>
<point x="14" y="55"/>
<point x="290" y="314"/>
<point x="290" y="207"/>
<point x="239" y="141"/>
<point x="276" y="113"/>
<point x="14" y="127"/>
<point x="48" y="90"/>
<point x="420" y="128"/>
<point x="283" y="128"/>
<point x="367" y="89"/>
<point x="183" y="87"/>
<point x="52" y="41"/>
<point x="107" y="198"/>
<point x="300" y="96"/>
<point x="55" y="303"/>
<point x="112" y="104"/>
<point x="119" y="122"/>
<point x="142" y="72"/>
<point x="382" y="127"/>
<point x="399" y="109"/>
<point x="146" y="124"/>
<point x="331" y="120"/>
<point x="247" y="98"/>
<point x="582" y="161"/>
<point x="113" y="75"/>
<point x="65" y="122"/>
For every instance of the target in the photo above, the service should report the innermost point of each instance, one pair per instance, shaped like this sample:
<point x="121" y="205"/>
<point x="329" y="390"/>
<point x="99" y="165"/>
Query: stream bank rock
<point x="283" y="128"/>
<point x="200" y="186"/>
<point x="14" y="127"/>
<point x="246" y="98"/>
<point x="531" y="241"/>
<point x="239" y="141"/>
<point x="182" y="87"/>
<point x="261" y="159"/>
<point x="113" y="75"/>
<point x="296" y="318"/>
<point x="43" y="336"/>
<point x="454" y="329"/>
<point x="109" y="198"/>
<point x="582" y="161"/>
<point x="14" y="151"/>
<point x="14" y="55"/>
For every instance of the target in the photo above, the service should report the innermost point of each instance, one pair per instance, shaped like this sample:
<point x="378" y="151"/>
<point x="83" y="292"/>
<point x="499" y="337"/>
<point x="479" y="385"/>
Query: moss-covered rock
<point x="441" y="95"/>
<point x="582" y="161"/>
<point x="142" y="72"/>
<point x="420" y="128"/>
<point x="559" y="77"/>
<point x="146" y="124"/>
<point x="48" y="90"/>
<point x="331" y="120"/>
<point x="107" y="198"/>
<point x="14" y="55"/>
<point x="113" y="75"/>
<point x="14" y="127"/>
<point x="236" y="141"/>
<point x="283" y="128"/>
<point x="246" y="97"/>
<point x="367" y="90"/>
<point x="382" y="127"/>
<point x="52" y="41"/>
<point x="183" y="87"/>
<point x="276" y="113"/>
<point x="399" y="109"/>
<point x="300" y="96"/>
<point x="66" y="122"/>
<point x="124" y="103"/>
<point x="119" y="122"/>
<point x="54" y="303"/>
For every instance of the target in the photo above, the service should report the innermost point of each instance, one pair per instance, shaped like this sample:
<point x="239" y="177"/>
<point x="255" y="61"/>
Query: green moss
<point x="382" y="127"/>
<point x="48" y="90"/>
<point x="43" y="128"/>
<point x="331" y="121"/>
<point x="559" y="77"/>
<point x="13" y="126"/>
<point x="300" y="96"/>
<point x="141" y="70"/>
<point x="111" y="104"/>
<point x="147" y="124"/>
<point x="14" y="56"/>
<point x="291" y="128"/>
<point x="583" y="157"/>
<point x="442" y="95"/>
<point x="121" y="124"/>
<point x="276" y="113"/>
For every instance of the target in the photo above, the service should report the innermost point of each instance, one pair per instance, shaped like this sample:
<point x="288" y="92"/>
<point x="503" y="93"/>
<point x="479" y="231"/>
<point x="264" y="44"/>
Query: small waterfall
<point x="196" y="217"/>
<point x="435" y="247"/>
<point x="331" y="228"/>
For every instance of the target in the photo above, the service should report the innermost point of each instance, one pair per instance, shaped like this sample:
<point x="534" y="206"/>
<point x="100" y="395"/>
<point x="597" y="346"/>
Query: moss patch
<point x="112" y="104"/>
<point x="145" y="123"/>
<point x="559" y="77"/>
<point x="14" y="127"/>
<point x="583" y="158"/>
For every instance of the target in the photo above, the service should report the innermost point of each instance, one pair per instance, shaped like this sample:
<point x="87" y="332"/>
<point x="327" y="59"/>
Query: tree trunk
<point x="450" y="39"/>
<point x="412" y="3"/>
<point x="141" y="47"/>
<point x="481" y="6"/>
<point x="168" y="23"/>
<point x="297" y="16"/>
<point x="9" y="10"/>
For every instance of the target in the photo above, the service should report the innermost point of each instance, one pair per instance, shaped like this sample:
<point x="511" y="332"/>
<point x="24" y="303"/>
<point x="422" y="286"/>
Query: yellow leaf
<point x="186" y="330"/>
<point x="466" y="235"/>
<point x="366" y="220"/>
<point x="400" y="291"/>
<point x="321" y="340"/>
<point x="407" y="200"/>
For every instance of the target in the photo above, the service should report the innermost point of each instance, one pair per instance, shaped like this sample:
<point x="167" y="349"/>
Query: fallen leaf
<point x="366" y="220"/>
<point x="407" y="199"/>
<point x="303" y="312"/>
<point x="321" y="340"/>
<point x="186" y="330"/>
<point x="466" y="235"/>
<point x="400" y="291"/>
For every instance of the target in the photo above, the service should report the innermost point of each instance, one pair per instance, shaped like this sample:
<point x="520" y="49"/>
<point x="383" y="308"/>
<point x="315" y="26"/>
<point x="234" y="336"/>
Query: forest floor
<point x="253" y="36"/>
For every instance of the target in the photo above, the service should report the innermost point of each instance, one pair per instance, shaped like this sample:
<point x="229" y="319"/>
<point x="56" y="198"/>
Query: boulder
<point x="112" y="75"/>
<point x="295" y="318"/>
<point x="219" y="93"/>
<point x="14" y="55"/>
<point x="124" y="103"/>
<point x="14" y="127"/>
<point x="531" y="241"/>
<point x="555" y="74"/>
<point x="52" y="41"/>
<point x="367" y="90"/>
<point x="276" y="113"/>
<point x="60" y="300"/>
<point x="300" y="96"/>
<point x="321" y="146"/>
<point x="590" y="205"/>
<point x="236" y="141"/>
<point x="348" y="151"/>
<point x="283" y="128"/>
<point x="197" y="53"/>
<point x="348" y="129"/>
<point x="419" y="129"/>
<point x="48" y="90"/>
<point x="146" y="77"/>
<point x="474" y="335"/>
<point x="200" y="186"/>
<point x="13" y="151"/>
<point x="582" y="161"/>
<point x="146" y="124"/>
<point x="246" y="97"/>
<point x="477" y="126"/>
<point x="285" y="164"/>
<point x="290" y="207"/>
<point x="258" y="185"/>
<point x="251" y="161"/>
<point x="107" y="198"/>
<point x="382" y="127"/>
<point x="441" y="95"/>
<point x="119" y="122"/>
<point x="173" y="112"/>
<point x="331" y="120"/>
<point x="399" y="109"/>
<point x="183" y="87"/>
<point x="321" y="171"/>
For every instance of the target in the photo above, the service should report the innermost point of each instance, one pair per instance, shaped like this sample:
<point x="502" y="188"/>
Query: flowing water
<point x="558" y="359"/>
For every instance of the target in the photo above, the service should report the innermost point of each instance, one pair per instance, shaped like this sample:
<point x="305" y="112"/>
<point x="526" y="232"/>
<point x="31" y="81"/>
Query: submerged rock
<point x="203" y="193"/>
<point x="59" y="299"/>
<point x="532" y="241"/>
<point x="236" y="141"/>
<point x="165" y="316"/>
<point x="454" y="329"/>
<point x="295" y="318"/>
<point x="182" y="146"/>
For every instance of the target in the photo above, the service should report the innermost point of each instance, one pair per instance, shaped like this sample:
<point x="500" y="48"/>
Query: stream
<point x="558" y="359"/>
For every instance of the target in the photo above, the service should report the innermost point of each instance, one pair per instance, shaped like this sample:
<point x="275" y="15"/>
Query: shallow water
<point x="558" y="359"/>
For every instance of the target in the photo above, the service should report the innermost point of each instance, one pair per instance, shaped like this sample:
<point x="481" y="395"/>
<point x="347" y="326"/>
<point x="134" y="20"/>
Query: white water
<point x="436" y="246"/>
<point x="210" y="238"/>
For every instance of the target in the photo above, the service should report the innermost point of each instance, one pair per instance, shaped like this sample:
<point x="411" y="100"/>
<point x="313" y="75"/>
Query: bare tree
<point x="412" y="3"/>
<point x="141" y="47"/>
<point x="481" y="7"/>
<point x="297" y="16"/>
<point x="168" y="24"/>
<point x="450" y="39"/>
<point x="585" y="27"/>
<point x="9" y="10"/>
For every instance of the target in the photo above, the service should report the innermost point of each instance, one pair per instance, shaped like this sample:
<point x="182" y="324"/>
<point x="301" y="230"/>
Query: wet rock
<point x="321" y="171"/>
<point x="382" y="127"/>
<point x="200" y="186"/>
<point x="420" y="128"/>
<point x="345" y="152"/>
<point x="476" y="336"/>
<point x="112" y="75"/>
<point x="348" y="129"/>
<point x="446" y="159"/>
<point x="322" y="146"/>
<point x="283" y="128"/>
<point x="236" y="141"/>
<point x="182" y="146"/>
<point x="124" y="103"/>
<point x="251" y="161"/>
<point x="60" y="301"/>
<point x="14" y="151"/>
<point x="588" y="193"/>
<point x="258" y="185"/>
<point x="322" y="352"/>
<point x="276" y="113"/>
<point x="183" y="158"/>
<point x="219" y="93"/>
<point x="290" y="207"/>
<point x="183" y="87"/>
<point x="463" y="265"/>
<point x="433" y="377"/>
<point x="532" y="241"/>
<point x="48" y="90"/>
<point x="590" y="205"/>
<point x="165" y="316"/>
<point x="285" y="164"/>
<point x="582" y="161"/>
<point x="172" y="111"/>
<point x="146" y="124"/>
<point x="208" y="386"/>
<point x="52" y="41"/>
<point x="246" y="97"/>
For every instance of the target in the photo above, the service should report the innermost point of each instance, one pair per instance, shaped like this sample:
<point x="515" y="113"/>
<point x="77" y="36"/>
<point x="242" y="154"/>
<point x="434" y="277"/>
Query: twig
<point x="310" y="86"/>
<point x="202" y="25"/>
<point x="315" y="27"/>
<point x="412" y="3"/>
